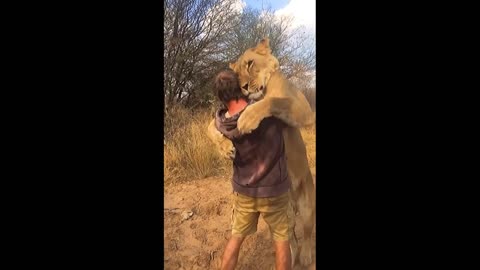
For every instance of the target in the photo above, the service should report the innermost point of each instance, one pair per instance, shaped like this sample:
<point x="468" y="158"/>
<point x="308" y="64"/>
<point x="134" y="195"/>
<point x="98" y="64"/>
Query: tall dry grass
<point x="189" y="153"/>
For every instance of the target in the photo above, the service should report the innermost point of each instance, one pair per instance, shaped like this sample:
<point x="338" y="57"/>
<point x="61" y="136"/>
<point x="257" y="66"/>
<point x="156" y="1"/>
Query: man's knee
<point x="235" y="241"/>
<point x="283" y="248"/>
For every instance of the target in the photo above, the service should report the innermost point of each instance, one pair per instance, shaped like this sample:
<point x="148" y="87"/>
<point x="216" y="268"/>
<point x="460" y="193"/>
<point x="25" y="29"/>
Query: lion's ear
<point x="232" y="66"/>
<point x="265" y="42"/>
<point x="276" y="65"/>
<point x="263" y="47"/>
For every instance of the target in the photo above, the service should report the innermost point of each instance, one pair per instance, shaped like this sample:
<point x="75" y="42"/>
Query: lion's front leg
<point x="280" y="108"/>
<point x="224" y="146"/>
<point x="250" y="119"/>
<point x="292" y="112"/>
<point x="302" y="113"/>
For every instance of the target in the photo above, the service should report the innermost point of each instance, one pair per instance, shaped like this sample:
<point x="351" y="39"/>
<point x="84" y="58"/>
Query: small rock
<point x="187" y="214"/>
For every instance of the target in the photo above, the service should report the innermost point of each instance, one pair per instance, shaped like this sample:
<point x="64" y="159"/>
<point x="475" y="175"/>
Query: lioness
<point x="261" y="80"/>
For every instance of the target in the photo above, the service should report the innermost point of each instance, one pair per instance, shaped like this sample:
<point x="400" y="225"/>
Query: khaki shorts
<point x="276" y="211"/>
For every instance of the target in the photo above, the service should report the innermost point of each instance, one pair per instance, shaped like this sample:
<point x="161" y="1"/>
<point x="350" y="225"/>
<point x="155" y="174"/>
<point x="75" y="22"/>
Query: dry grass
<point x="189" y="153"/>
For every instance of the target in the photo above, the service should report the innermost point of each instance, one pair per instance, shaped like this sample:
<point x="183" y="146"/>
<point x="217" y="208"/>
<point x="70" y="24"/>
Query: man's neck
<point x="235" y="106"/>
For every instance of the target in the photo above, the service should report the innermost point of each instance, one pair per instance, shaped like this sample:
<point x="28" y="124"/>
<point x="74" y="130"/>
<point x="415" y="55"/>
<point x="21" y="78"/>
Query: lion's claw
<point x="227" y="149"/>
<point x="231" y="153"/>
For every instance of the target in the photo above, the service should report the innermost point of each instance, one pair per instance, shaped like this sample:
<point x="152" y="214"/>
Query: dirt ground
<point x="197" y="241"/>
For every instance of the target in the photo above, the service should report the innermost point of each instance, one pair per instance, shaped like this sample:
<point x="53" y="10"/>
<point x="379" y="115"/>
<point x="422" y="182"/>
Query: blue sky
<point x="302" y="11"/>
<point x="275" y="4"/>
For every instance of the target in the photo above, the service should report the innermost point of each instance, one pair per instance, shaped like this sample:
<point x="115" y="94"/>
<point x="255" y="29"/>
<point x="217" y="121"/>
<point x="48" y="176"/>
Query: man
<point x="260" y="179"/>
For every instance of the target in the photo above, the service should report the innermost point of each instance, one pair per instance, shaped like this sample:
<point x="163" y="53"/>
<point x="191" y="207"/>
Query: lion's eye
<point x="245" y="86"/>
<point x="249" y="65"/>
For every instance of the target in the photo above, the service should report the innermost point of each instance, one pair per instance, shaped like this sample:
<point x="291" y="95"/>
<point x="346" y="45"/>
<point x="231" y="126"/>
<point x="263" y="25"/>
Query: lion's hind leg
<point x="224" y="146"/>
<point x="306" y="207"/>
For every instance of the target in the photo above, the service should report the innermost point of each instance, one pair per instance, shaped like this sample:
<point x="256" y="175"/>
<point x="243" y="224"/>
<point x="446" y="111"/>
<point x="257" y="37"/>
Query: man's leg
<point x="230" y="256"/>
<point x="244" y="223"/>
<point x="283" y="258"/>
<point x="278" y="215"/>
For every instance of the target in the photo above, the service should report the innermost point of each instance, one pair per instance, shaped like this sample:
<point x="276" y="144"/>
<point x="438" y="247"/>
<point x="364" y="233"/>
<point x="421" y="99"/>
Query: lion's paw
<point x="305" y="256"/>
<point x="249" y="120"/>
<point x="227" y="149"/>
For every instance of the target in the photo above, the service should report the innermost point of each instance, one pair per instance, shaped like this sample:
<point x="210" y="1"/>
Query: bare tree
<point x="191" y="30"/>
<point x="294" y="49"/>
<point x="203" y="36"/>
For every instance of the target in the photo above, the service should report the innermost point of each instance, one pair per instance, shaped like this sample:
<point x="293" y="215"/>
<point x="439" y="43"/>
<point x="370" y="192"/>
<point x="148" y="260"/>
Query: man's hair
<point x="226" y="86"/>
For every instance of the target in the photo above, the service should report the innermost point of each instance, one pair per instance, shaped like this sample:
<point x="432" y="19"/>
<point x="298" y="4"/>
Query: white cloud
<point x="239" y="5"/>
<point x="302" y="11"/>
<point x="303" y="15"/>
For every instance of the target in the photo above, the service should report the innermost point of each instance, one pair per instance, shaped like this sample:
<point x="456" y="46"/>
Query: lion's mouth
<point x="256" y="96"/>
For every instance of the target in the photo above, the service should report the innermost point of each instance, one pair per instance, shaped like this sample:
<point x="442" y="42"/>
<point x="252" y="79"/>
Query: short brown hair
<point x="226" y="86"/>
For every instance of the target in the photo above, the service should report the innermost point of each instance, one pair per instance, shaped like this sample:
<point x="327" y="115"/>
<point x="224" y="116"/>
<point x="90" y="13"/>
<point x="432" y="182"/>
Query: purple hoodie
<point x="259" y="166"/>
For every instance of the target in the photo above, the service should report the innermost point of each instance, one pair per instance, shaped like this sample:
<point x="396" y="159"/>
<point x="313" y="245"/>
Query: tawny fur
<point x="259" y="70"/>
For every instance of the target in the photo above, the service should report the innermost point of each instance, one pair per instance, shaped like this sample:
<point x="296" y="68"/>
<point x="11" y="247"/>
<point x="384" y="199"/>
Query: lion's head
<point x="254" y="69"/>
